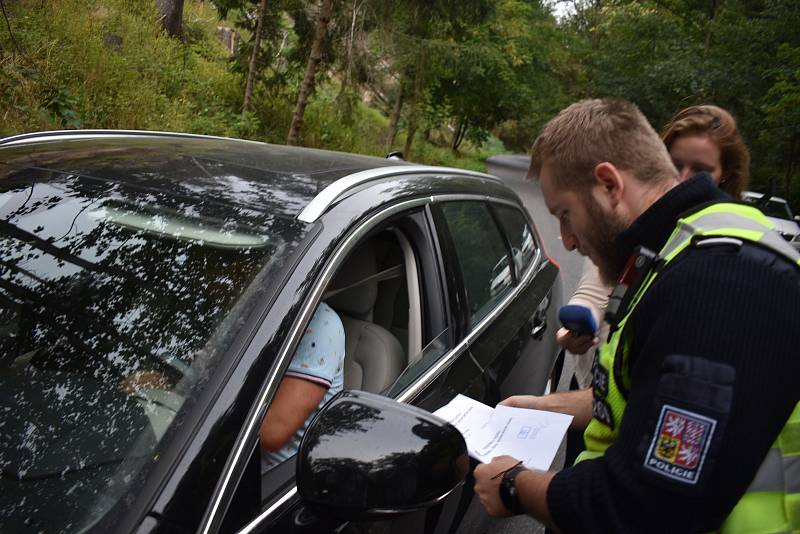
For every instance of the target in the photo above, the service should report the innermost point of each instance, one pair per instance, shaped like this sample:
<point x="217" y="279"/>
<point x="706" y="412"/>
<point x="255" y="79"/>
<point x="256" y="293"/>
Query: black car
<point x="154" y="287"/>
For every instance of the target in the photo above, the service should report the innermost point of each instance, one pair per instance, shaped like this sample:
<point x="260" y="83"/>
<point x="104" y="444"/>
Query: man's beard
<point x="601" y="236"/>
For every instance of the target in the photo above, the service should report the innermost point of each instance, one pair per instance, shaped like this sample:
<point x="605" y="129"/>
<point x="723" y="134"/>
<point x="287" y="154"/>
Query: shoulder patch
<point x="679" y="445"/>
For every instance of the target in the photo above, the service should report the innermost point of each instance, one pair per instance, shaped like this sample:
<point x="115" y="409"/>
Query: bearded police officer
<point x="693" y="419"/>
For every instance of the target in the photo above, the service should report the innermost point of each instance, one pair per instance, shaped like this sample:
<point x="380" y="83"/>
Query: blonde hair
<point x="720" y="127"/>
<point x="593" y="131"/>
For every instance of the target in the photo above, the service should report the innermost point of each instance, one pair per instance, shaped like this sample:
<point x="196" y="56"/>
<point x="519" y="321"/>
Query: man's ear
<point x="608" y="177"/>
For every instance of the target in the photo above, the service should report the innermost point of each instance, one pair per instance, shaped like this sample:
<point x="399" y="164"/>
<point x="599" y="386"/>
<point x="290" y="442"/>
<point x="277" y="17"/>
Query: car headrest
<point x="359" y="300"/>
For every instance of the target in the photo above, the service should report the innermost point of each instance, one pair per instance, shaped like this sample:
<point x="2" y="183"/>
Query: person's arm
<point x="295" y="400"/>
<point x="578" y="404"/>
<point x="316" y="367"/>
<point x="591" y="293"/>
<point x="531" y="486"/>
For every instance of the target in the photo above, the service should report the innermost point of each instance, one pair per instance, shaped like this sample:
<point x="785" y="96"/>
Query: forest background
<point x="444" y="81"/>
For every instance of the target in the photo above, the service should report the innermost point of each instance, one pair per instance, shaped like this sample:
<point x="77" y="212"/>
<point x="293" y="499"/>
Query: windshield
<point x="777" y="209"/>
<point x="115" y="300"/>
<point x="771" y="208"/>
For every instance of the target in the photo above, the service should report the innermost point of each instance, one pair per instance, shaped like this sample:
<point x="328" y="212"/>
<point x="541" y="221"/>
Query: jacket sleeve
<point x="714" y="378"/>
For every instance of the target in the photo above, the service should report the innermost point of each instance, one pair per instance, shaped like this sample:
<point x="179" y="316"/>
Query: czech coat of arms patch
<point x="679" y="444"/>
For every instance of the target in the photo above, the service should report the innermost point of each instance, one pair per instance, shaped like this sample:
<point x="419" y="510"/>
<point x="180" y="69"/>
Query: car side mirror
<point x="797" y="219"/>
<point x="365" y="457"/>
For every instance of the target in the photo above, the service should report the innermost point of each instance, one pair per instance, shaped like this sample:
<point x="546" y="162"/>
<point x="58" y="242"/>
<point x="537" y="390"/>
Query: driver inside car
<point x="314" y="376"/>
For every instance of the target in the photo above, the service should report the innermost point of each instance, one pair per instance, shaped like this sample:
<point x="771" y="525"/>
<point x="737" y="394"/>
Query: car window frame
<point x="336" y="258"/>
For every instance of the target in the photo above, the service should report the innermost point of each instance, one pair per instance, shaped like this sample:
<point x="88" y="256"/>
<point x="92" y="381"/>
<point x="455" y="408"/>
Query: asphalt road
<point x="512" y="170"/>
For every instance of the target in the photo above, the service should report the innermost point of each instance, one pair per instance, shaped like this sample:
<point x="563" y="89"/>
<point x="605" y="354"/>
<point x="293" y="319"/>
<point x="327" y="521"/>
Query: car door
<point x="506" y="294"/>
<point x="443" y="368"/>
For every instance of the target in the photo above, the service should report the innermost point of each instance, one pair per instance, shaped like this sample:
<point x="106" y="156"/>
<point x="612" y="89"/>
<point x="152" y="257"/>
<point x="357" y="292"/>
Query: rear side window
<point x="520" y="236"/>
<point x="481" y="255"/>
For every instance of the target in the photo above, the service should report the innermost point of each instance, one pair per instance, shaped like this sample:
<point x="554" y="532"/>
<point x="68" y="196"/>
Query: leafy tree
<point x="419" y="35"/>
<point x="782" y="113"/>
<point x="665" y="55"/>
<point x="505" y="68"/>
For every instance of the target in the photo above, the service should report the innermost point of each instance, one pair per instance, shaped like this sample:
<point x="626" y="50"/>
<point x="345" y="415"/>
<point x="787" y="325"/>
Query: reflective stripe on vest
<point x="772" y="502"/>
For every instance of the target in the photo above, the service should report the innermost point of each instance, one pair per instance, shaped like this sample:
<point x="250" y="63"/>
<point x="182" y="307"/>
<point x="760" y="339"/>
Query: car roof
<point x="305" y="180"/>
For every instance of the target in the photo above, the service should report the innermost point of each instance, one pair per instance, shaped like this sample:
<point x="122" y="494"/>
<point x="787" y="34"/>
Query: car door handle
<point x="540" y="318"/>
<point x="539" y="326"/>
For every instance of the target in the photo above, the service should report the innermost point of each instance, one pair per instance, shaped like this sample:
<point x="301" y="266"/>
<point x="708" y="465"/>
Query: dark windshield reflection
<point x="114" y="301"/>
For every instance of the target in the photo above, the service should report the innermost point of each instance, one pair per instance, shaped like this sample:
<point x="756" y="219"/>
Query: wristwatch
<point x="508" y="493"/>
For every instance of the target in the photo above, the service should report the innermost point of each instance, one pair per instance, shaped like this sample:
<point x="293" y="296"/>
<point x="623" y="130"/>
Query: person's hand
<point x="574" y="343"/>
<point x="487" y="484"/>
<point x="523" y="401"/>
<point x="139" y="380"/>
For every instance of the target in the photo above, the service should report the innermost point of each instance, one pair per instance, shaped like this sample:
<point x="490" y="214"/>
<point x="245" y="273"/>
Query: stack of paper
<point x="532" y="436"/>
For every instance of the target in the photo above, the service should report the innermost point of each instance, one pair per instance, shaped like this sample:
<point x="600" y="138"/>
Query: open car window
<point x="423" y="361"/>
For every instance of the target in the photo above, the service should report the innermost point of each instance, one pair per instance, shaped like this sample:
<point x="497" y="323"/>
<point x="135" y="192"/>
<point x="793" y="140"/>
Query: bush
<point x="109" y="65"/>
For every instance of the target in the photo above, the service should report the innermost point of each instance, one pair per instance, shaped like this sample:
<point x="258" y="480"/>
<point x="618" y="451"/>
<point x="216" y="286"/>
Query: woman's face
<point x="692" y="153"/>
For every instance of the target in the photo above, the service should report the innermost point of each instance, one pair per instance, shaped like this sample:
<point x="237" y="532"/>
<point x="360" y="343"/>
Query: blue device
<point x="577" y="319"/>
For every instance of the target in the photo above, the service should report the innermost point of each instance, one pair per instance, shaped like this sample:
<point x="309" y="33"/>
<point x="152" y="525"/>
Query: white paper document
<point x="532" y="436"/>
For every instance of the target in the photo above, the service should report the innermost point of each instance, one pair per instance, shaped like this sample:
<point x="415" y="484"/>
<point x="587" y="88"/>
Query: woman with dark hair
<point x="706" y="138"/>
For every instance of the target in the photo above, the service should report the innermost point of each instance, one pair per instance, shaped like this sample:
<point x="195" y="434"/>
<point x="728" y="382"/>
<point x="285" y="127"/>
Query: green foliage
<point x="360" y="129"/>
<point x="471" y="157"/>
<point x="782" y="114"/>
<point x="667" y="54"/>
<point x="474" y="75"/>
<point x="108" y="65"/>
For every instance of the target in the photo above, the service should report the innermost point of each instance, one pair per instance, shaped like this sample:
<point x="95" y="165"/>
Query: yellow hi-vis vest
<point x="772" y="502"/>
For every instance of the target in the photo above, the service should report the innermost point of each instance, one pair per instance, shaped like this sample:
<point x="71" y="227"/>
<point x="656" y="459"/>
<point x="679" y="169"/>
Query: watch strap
<point x="508" y="492"/>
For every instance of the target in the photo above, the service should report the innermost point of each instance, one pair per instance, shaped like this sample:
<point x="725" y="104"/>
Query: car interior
<point x="376" y="294"/>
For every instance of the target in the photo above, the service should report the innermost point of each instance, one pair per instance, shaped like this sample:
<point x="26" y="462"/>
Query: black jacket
<point x="717" y="335"/>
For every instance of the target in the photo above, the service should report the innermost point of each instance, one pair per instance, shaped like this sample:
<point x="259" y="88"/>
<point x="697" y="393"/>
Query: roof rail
<point x="56" y="135"/>
<point x="337" y="189"/>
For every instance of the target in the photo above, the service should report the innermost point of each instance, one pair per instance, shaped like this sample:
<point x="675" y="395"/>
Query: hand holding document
<point x="532" y="436"/>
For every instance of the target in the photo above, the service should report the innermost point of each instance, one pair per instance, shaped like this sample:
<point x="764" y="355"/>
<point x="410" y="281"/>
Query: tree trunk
<point x="171" y="14"/>
<point x="251" y="71"/>
<point x="394" y="119"/>
<point x="458" y="135"/>
<point x="323" y="19"/>
<point x="348" y="64"/>
<point x="410" y="133"/>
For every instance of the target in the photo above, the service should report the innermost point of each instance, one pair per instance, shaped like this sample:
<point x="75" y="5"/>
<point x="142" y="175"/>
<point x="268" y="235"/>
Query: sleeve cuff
<point x="560" y="502"/>
<point x="322" y="381"/>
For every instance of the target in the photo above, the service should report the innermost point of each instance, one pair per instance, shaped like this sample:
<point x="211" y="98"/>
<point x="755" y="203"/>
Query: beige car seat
<point x="374" y="358"/>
